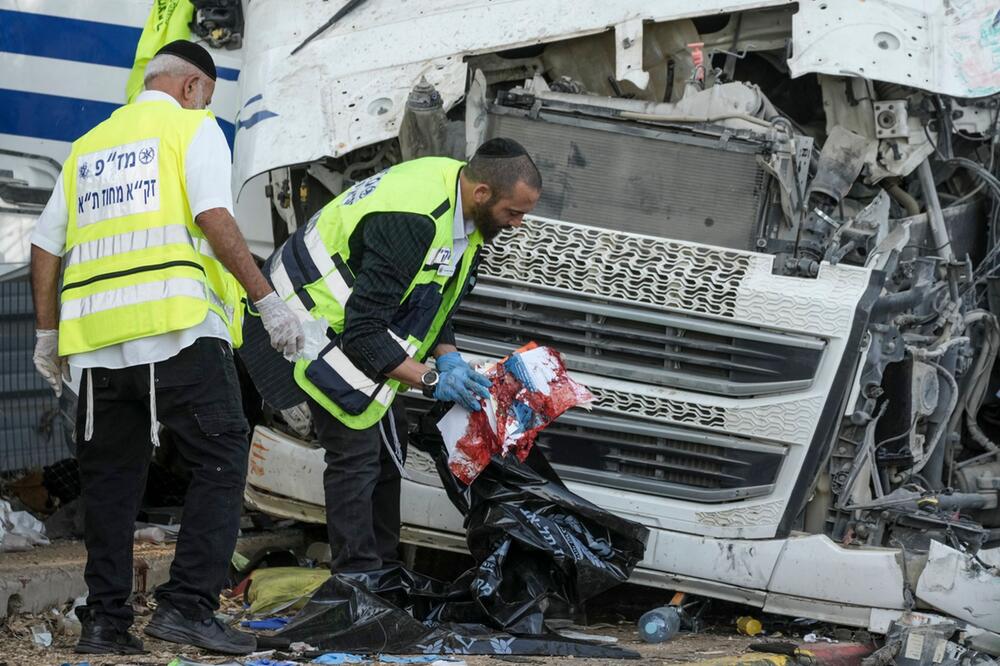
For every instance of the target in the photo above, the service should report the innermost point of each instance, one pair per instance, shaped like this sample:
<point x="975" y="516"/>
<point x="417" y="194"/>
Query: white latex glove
<point x="50" y="365"/>
<point x="282" y="325"/>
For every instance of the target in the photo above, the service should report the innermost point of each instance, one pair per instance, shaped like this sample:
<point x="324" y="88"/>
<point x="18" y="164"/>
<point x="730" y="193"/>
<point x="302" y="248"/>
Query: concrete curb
<point x="51" y="576"/>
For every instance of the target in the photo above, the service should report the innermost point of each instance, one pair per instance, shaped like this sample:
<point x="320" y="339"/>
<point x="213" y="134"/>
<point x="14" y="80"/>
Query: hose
<point x="939" y="351"/>
<point x="943" y="426"/>
<point x="904" y="199"/>
<point x="980" y="376"/>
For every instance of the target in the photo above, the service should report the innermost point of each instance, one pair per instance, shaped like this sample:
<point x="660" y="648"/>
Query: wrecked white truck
<point x="767" y="243"/>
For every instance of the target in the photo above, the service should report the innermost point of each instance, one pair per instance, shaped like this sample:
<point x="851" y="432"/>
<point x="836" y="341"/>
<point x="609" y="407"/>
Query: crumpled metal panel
<point x="348" y="88"/>
<point x="959" y="585"/>
<point x="950" y="47"/>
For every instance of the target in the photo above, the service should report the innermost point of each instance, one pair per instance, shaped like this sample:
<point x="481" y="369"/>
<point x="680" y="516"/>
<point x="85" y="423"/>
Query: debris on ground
<point x="659" y="624"/>
<point x="278" y="589"/>
<point x="749" y="626"/>
<point x="19" y="530"/>
<point x="538" y="546"/>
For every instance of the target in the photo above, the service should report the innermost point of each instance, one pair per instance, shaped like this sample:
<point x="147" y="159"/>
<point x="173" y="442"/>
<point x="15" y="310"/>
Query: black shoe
<point x="102" y="637"/>
<point x="169" y="625"/>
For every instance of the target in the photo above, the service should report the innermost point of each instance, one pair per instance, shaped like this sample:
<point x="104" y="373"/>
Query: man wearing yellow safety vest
<point x="140" y="229"/>
<point x="385" y="264"/>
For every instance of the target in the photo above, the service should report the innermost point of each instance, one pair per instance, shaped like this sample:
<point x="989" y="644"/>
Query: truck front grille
<point x="659" y="460"/>
<point x="636" y="344"/>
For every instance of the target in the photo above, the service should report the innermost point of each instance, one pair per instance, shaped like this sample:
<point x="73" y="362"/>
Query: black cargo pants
<point x="198" y="400"/>
<point x="361" y="484"/>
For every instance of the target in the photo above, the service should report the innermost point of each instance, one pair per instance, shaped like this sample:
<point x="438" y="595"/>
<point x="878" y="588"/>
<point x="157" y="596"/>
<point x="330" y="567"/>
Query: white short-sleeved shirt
<point x="207" y="168"/>
<point x="460" y="231"/>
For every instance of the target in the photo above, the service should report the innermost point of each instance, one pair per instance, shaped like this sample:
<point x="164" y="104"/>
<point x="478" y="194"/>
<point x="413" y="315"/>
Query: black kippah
<point x="501" y="147"/>
<point x="191" y="52"/>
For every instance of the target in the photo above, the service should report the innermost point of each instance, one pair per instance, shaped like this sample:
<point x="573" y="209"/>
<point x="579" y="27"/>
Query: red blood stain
<point x="521" y="414"/>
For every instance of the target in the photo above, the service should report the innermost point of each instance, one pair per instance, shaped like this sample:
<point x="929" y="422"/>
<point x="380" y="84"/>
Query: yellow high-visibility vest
<point x="311" y="273"/>
<point x="136" y="264"/>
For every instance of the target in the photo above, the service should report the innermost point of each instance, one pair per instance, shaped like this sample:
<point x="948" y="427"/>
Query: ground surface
<point x="615" y="615"/>
<point x="16" y="648"/>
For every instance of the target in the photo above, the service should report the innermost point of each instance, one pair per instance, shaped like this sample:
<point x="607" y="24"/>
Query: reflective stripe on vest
<point x="136" y="264"/>
<point x="310" y="271"/>
<point x="131" y="295"/>
<point x="128" y="242"/>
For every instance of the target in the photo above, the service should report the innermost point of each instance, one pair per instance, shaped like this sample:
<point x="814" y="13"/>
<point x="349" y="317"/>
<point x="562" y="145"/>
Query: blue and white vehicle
<point x="63" y="69"/>
<point x="768" y="243"/>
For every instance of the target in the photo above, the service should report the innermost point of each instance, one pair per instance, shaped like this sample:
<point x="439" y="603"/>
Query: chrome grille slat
<point x="682" y="352"/>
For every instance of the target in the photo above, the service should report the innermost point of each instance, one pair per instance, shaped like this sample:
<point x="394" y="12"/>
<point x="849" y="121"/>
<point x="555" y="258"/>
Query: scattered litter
<point x="278" y="589"/>
<point x="267" y="624"/>
<point x="300" y="647"/>
<point x="19" y="530"/>
<point x="239" y="561"/>
<point x="816" y="638"/>
<point x="339" y="658"/>
<point x="659" y="624"/>
<point x="40" y="635"/>
<point x="749" y="626"/>
<point x="79" y="663"/>
<point x="419" y="659"/>
<point x="184" y="661"/>
<point x="68" y="623"/>
<point x="268" y="662"/>
<point x="159" y="534"/>
<point x="583" y="636"/>
<point x="349" y="658"/>
<point x="531" y="388"/>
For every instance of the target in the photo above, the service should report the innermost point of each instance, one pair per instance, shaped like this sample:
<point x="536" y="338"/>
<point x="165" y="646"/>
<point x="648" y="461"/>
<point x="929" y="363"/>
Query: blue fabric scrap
<point x="268" y="624"/>
<point x="339" y="658"/>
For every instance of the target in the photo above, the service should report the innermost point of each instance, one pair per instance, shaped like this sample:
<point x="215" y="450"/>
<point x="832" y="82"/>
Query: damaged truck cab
<point x="766" y="244"/>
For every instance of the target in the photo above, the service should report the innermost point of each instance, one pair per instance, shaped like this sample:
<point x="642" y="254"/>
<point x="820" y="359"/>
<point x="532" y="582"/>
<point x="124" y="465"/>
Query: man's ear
<point x="481" y="193"/>
<point x="189" y="88"/>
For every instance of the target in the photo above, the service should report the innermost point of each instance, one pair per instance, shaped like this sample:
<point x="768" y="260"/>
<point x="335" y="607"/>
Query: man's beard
<point x="485" y="222"/>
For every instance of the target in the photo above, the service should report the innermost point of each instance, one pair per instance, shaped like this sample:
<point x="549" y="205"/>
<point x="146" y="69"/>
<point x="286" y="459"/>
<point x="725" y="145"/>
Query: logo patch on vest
<point x="441" y="259"/>
<point x="118" y="181"/>
<point x="360" y="190"/>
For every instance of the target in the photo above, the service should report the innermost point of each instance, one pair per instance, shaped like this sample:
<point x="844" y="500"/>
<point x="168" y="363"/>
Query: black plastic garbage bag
<point x="346" y="615"/>
<point x="539" y="548"/>
<point x="537" y="543"/>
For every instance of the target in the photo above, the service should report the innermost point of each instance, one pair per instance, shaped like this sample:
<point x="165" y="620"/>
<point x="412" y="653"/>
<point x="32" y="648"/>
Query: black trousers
<point x="198" y="400"/>
<point x="361" y="484"/>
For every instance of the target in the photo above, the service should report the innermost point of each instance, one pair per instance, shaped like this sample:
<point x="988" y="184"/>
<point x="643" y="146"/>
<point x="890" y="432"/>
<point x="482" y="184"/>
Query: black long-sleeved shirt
<point x="386" y="254"/>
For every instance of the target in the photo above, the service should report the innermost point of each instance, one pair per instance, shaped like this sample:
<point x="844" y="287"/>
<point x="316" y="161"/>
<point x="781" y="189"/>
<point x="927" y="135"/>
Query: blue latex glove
<point x="449" y="361"/>
<point x="459" y="382"/>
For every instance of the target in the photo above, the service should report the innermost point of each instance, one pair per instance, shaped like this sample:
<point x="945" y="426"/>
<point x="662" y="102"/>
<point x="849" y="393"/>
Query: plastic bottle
<point x="659" y="624"/>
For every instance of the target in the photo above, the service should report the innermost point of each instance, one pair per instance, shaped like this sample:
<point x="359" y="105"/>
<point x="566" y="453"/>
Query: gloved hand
<point x="47" y="360"/>
<point x="282" y="325"/>
<point x="448" y="361"/>
<point x="459" y="382"/>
